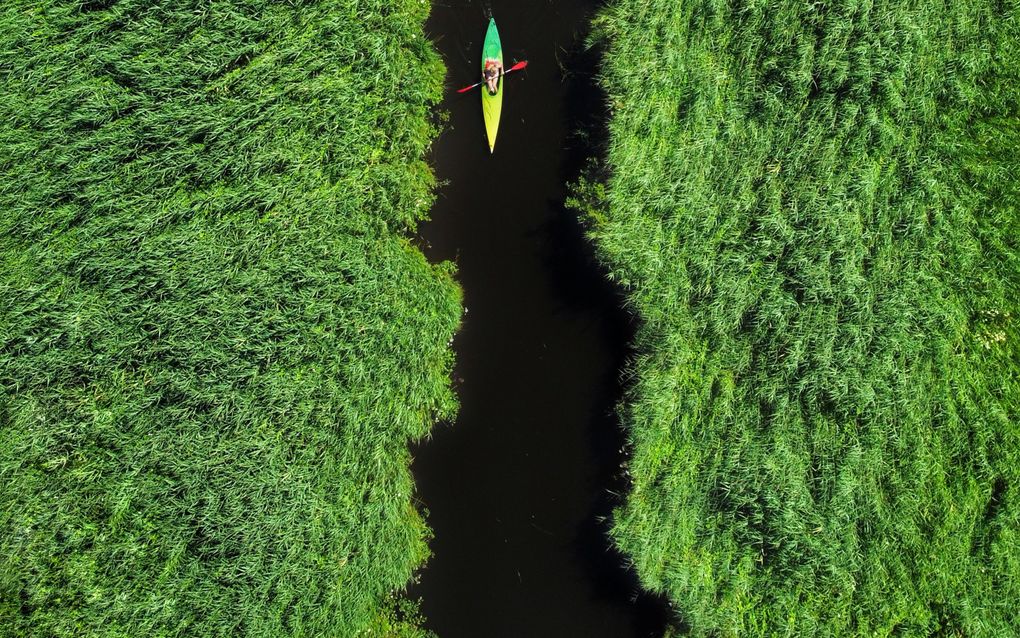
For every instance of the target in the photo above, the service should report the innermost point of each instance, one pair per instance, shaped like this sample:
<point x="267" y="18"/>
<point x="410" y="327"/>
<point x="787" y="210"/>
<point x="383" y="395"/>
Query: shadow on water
<point x="517" y="489"/>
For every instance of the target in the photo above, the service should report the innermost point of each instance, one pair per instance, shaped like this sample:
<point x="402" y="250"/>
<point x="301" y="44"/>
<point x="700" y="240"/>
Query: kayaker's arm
<point x="516" y="67"/>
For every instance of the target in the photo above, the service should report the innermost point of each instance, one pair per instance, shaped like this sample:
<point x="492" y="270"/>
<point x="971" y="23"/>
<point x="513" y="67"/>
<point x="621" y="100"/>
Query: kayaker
<point x="493" y="69"/>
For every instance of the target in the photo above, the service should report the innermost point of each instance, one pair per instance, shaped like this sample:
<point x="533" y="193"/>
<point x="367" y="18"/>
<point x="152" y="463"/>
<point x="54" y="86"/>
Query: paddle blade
<point x="520" y="65"/>
<point x="467" y="88"/>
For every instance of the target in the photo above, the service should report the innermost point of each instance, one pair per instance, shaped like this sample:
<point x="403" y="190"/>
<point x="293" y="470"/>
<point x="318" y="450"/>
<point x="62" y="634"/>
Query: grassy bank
<point x="215" y="342"/>
<point x="814" y="208"/>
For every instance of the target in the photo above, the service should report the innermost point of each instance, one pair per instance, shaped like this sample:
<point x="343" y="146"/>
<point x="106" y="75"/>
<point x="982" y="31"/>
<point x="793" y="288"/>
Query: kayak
<point x="492" y="104"/>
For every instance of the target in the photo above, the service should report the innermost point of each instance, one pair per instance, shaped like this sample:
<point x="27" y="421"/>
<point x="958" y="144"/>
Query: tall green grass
<point x="215" y="340"/>
<point x="814" y="209"/>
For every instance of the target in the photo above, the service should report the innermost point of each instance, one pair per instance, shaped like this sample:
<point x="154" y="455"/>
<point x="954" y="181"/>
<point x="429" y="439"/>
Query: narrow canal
<point x="516" y="487"/>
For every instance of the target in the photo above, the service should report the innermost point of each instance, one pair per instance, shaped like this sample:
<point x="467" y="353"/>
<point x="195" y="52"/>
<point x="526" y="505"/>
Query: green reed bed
<point x="814" y="210"/>
<point x="215" y="339"/>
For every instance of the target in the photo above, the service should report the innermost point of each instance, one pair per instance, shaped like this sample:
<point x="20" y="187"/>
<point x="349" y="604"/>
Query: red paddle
<point x="516" y="67"/>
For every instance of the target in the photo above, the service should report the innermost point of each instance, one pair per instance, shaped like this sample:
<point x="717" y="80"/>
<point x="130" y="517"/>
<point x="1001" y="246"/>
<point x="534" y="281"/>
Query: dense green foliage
<point x="814" y="208"/>
<point x="215" y="341"/>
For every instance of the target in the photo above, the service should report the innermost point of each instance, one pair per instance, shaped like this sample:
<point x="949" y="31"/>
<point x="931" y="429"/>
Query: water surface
<point x="516" y="487"/>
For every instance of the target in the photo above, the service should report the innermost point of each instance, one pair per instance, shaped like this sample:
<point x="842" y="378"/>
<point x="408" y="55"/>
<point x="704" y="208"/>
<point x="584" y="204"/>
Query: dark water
<point x="516" y="487"/>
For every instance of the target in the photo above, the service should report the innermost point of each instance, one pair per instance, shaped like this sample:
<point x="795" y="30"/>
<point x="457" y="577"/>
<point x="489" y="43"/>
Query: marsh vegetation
<point x="814" y="210"/>
<point x="215" y="342"/>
